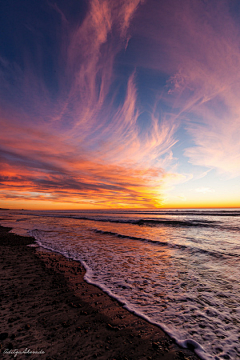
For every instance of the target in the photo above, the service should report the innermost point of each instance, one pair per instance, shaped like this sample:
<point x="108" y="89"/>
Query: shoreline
<point x="46" y="305"/>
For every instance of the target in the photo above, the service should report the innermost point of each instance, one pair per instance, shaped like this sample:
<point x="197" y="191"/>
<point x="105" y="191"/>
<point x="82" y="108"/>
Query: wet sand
<point x="47" y="307"/>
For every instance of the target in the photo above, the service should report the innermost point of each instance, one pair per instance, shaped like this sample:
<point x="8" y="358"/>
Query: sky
<point x="119" y="104"/>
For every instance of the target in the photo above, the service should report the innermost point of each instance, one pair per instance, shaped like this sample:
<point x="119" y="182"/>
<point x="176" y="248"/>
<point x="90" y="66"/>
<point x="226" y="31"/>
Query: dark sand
<point x="46" y="305"/>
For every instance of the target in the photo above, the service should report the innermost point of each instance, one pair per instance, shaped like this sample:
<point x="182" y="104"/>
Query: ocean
<point x="179" y="269"/>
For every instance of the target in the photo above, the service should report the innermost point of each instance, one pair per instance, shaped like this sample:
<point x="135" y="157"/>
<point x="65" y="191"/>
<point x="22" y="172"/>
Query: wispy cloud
<point x="204" y="190"/>
<point x="197" y="44"/>
<point x="207" y="88"/>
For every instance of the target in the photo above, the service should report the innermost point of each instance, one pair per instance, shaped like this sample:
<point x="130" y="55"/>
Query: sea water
<point x="179" y="269"/>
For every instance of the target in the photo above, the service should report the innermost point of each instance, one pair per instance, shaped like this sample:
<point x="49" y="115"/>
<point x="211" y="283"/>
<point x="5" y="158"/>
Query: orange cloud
<point x="105" y="185"/>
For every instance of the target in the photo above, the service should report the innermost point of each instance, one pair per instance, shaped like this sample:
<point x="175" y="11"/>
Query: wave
<point x="154" y="218"/>
<point x="191" y="249"/>
<point x="201" y="212"/>
<point x="161" y="222"/>
<point x="89" y="278"/>
<point x="202" y="223"/>
<point x="148" y="222"/>
<point x="191" y="212"/>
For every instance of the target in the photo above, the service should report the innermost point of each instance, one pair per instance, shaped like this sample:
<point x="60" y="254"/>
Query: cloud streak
<point x="197" y="45"/>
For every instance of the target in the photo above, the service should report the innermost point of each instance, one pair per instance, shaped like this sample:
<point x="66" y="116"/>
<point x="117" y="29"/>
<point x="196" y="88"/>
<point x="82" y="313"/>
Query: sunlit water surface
<point x="178" y="269"/>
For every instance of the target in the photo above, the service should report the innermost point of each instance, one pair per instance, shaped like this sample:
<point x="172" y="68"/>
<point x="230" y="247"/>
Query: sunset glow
<point x="119" y="104"/>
